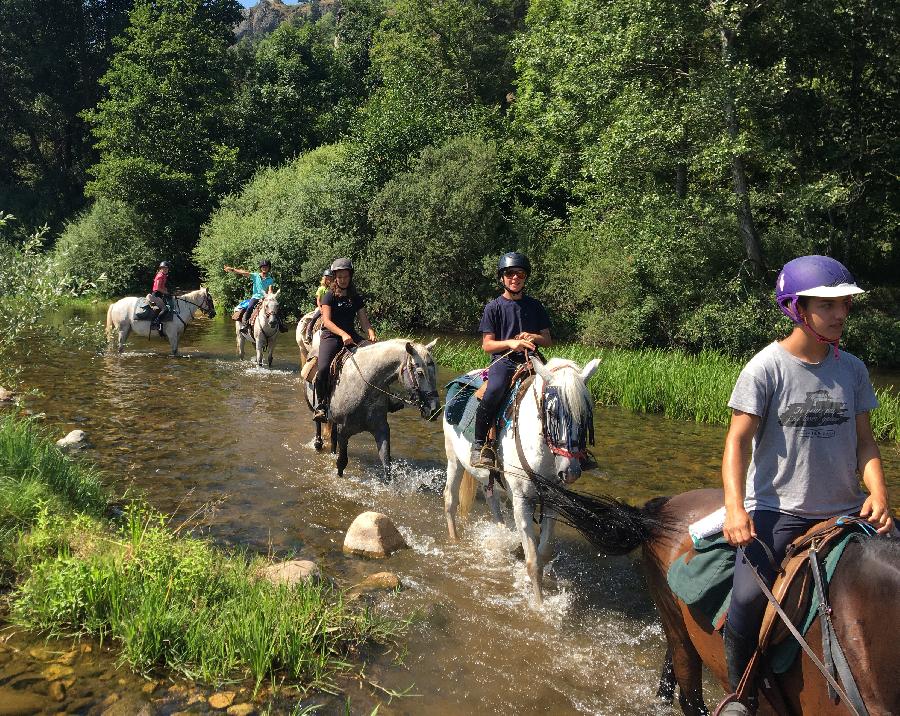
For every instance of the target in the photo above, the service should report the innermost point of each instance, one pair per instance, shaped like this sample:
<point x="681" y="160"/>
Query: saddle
<point x="145" y="311"/>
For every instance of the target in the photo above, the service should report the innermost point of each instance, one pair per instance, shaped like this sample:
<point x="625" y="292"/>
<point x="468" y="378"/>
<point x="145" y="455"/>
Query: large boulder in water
<point x="6" y="396"/>
<point x="372" y="534"/>
<point x="75" y="440"/>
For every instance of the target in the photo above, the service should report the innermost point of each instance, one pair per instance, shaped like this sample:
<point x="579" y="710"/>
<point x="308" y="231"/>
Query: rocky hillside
<point x="266" y="15"/>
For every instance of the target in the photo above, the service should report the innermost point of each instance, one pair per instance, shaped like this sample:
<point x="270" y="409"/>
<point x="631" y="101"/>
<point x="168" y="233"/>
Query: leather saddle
<point x="145" y="310"/>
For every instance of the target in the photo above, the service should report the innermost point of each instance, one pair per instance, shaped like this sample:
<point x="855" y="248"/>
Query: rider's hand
<point x="878" y="513"/>
<point x="372" y="336"/>
<point x="738" y="529"/>
<point x="348" y="340"/>
<point x="520" y="345"/>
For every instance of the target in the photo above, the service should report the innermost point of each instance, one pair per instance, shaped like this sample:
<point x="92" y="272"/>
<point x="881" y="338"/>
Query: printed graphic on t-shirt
<point x="814" y="414"/>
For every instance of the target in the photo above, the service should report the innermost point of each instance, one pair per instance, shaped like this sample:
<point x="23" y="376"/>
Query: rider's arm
<point x="489" y="344"/>
<point x="330" y="325"/>
<point x="541" y="339"/>
<point x="877" y="506"/>
<point x="232" y="269"/>
<point x="736" y="458"/>
<point x="365" y="325"/>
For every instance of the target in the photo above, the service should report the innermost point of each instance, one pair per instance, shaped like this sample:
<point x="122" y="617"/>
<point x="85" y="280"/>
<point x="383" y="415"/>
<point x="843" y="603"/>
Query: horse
<point x="264" y="329"/>
<point x="306" y="347"/>
<point x="363" y="395"/>
<point x="862" y="595"/>
<point x="557" y="396"/>
<point x="120" y="320"/>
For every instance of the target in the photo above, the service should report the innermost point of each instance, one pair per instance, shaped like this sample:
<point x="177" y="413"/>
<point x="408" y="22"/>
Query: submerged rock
<point x="75" y="440"/>
<point x="20" y="703"/>
<point x="295" y="571"/>
<point x="372" y="534"/>
<point x="380" y="581"/>
<point x="6" y="396"/>
<point x="221" y="700"/>
<point x="241" y="710"/>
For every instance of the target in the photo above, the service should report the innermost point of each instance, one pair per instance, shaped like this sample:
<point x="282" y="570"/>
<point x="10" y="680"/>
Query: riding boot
<point x="320" y="392"/>
<point x="482" y="454"/>
<point x="738" y="653"/>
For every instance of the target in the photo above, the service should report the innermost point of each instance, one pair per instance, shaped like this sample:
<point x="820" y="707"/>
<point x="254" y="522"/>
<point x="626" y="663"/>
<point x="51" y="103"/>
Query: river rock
<point x="295" y="571"/>
<point x="221" y="700"/>
<point x="75" y="440"/>
<point x="372" y="534"/>
<point x="376" y="582"/>
<point x="20" y="703"/>
<point x="57" y="671"/>
<point x="57" y="691"/>
<point x="241" y="710"/>
<point x="6" y="396"/>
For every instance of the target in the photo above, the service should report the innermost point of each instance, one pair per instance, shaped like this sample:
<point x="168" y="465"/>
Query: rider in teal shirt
<point x="262" y="282"/>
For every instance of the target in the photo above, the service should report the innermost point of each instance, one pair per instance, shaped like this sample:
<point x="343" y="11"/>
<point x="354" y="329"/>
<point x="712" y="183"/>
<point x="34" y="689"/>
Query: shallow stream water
<point x="207" y="430"/>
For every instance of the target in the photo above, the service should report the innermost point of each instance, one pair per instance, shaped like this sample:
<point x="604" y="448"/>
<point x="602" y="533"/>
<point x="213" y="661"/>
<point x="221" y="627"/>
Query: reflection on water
<point x="207" y="430"/>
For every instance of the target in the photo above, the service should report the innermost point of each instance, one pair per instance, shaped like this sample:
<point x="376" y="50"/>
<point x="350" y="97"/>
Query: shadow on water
<point x="205" y="433"/>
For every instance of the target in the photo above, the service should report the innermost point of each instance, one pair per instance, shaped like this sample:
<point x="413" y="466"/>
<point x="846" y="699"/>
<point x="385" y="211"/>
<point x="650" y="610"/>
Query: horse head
<point x="206" y="302"/>
<point x="268" y="312"/>
<point x="419" y="375"/>
<point x="567" y="413"/>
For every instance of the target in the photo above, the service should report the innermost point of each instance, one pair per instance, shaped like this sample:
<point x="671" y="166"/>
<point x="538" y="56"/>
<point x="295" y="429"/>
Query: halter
<point x="207" y="307"/>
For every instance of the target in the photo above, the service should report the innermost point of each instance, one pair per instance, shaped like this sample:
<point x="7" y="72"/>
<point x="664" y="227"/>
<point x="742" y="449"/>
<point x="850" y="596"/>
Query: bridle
<point x="410" y="380"/>
<point x="207" y="306"/>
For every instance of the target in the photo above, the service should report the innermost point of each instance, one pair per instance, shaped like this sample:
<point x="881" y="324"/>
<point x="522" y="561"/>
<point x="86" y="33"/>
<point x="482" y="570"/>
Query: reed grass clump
<point x="167" y="600"/>
<point x="679" y="385"/>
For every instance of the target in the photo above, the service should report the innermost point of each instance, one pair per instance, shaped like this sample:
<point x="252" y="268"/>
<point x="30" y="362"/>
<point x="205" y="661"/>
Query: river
<point x="205" y="433"/>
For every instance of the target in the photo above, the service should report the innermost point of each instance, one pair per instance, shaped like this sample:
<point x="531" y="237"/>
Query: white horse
<point x="556" y="406"/>
<point x="120" y="320"/>
<point x="306" y="347"/>
<point x="264" y="329"/>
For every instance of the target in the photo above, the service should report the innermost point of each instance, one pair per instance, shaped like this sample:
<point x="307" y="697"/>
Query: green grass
<point x="168" y="601"/>
<point x="676" y="384"/>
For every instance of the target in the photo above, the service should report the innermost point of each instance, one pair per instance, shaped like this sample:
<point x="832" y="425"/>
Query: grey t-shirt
<point x="804" y="451"/>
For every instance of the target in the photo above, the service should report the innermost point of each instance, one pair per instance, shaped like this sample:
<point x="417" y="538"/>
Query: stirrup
<point x="487" y="458"/>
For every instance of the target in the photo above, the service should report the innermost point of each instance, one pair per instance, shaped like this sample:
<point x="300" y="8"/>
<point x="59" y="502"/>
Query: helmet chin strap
<point x="820" y="338"/>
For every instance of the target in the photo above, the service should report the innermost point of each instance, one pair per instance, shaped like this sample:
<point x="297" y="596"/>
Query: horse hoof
<point x="318" y="445"/>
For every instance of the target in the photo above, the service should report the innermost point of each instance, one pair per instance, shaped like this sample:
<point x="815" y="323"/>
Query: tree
<point x="163" y="130"/>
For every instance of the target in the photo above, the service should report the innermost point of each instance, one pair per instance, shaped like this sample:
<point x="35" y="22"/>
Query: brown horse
<point x="863" y="595"/>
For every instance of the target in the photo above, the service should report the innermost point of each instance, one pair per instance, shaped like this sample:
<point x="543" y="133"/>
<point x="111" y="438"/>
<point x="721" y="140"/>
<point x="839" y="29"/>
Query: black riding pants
<point x="248" y="312"/>
<point x="500" y="373"/>
<point x="329" y="346"/>
<point x="748" y="603"/>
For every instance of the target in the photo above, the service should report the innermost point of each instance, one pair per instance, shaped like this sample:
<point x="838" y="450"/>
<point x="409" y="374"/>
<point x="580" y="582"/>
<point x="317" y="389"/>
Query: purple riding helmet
<point x="812" y="276"/>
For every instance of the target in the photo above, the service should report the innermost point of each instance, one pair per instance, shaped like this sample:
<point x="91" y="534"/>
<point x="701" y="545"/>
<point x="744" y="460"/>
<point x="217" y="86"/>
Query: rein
<point x="422" y="396"/>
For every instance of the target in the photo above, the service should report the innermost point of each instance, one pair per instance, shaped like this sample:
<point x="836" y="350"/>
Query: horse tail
<point x="467" y="490"/>
<point x="109" y="321"/>
<point x="610" y="525"/>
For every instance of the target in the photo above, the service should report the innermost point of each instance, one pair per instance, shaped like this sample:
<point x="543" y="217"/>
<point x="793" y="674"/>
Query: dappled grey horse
<point x="264" y="329"/>
<point x="121" y="321"/>
<point x="378" y="379"/>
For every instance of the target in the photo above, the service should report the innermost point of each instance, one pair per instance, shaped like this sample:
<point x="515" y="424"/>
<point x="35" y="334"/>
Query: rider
<point x="512" y="326"/>
<point x="262" y="282"/>
<point x="340" y="306"/>
<point x="804" y="409"/>
<point x="159" y="294"/>
<point x="324" y="285"/>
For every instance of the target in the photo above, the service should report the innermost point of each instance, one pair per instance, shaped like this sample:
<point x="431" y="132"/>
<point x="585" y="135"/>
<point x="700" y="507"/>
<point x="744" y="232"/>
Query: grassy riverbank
<point x="168" y="601"/>
<point x="676" y="384"/>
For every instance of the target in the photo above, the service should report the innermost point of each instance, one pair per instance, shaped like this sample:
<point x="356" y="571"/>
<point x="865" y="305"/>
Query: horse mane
<point x="567" y="379"/>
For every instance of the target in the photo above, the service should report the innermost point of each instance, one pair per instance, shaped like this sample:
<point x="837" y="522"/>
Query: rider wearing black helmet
<point x="341" y="306"/>
<point x="262" y="284"/>
<point x="512" y="327"/>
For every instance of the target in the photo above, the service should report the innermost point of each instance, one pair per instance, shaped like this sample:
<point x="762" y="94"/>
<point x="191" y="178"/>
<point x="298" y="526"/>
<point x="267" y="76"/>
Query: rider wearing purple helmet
<point x="799" y="440"/>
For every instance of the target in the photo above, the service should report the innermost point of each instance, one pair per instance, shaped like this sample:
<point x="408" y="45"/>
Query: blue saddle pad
<point x="461" y="404"/>
<point x="242" y="305"/>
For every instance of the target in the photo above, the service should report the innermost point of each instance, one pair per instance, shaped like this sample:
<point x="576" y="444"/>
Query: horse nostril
<point x="561" y="474"/>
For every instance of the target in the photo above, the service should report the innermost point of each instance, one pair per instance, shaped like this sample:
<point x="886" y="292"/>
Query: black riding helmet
<point x="513" y="259"/>
<point x="164" y="264"/>
<point x="342" y="264"/>
<point x="265" y="264"/>
<point x="328" y="273"/>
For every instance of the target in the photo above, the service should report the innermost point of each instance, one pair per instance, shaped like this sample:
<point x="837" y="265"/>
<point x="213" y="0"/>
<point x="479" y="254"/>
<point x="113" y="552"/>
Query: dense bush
<point x="111" y="247"/>
<point x="299" y="216"/>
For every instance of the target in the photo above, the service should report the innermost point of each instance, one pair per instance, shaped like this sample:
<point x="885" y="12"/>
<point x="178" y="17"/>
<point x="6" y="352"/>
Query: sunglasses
<point x="514" y="273"/>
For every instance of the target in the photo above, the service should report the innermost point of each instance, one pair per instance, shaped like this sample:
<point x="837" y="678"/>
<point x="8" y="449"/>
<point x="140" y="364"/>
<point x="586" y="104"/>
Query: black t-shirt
<point x="343" y="311"/>
<point x="506" y="319"/>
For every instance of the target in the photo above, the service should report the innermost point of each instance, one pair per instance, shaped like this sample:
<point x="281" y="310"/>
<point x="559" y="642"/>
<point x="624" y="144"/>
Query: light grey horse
<point x="306" y="347"/>
<point x="264" y="329"/>
<point x="370" y="386"/>
<point x="120" y="320"/>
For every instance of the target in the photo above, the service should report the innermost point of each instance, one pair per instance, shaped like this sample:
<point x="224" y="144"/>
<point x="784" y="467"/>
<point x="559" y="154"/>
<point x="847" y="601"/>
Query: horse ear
<point x="410" y="349"/>
<point x="589" y="369"/>
<point x="431" y="345"/>
<point x="277" y="292"/>
<point x="541" y="370"/>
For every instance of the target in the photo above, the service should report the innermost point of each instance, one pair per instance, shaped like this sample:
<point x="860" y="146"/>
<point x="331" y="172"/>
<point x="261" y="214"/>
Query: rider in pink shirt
<point x="157" y="297"/>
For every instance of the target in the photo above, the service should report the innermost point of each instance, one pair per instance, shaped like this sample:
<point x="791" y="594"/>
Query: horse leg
<point x="123" y="336"/>
<point x="665" y="691"/>
<point x="522" y="513"/>
<point x="545" y="551"/>
<point x="451" y="489"/>
<point x="382" y="435"/>
<point x="271" y="355"/>
<point x="318" y="444"/>
<point x="239" y="338"/>
<point x="493" y="500"/>
<point x="342" y="459"/>
<point x="333" y="437"/>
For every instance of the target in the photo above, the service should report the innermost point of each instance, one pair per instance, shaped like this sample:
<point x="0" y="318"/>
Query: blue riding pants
<point x="748" y="603"/>
<point x="500" y="373"/>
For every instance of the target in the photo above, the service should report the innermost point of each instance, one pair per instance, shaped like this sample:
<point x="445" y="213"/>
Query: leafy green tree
<point x="435" y="226"/>
<point x="51" y="57"/>
<point x="163" y="129"/>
